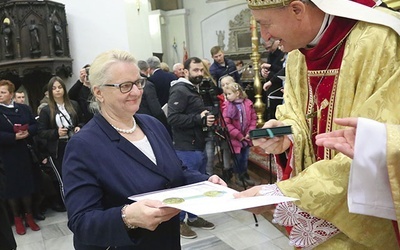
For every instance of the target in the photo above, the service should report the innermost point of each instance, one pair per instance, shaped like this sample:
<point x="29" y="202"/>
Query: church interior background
<point x="142" y="27"/>
<point x="167" y="29"/>
<point x="71" y="33"/>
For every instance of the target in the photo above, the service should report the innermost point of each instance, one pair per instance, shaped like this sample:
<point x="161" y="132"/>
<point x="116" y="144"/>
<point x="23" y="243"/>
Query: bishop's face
<point x="294" y="25"/>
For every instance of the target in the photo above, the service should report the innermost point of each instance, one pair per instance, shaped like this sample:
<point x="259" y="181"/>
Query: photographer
<point x="186" y="115"/>
<point x="58" y="122"/>
<point x="80" y="92"/>
<point x="209" y="92"/>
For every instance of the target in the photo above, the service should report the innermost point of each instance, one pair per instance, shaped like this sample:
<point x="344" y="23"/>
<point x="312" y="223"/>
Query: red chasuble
<point x="323" y="63"/>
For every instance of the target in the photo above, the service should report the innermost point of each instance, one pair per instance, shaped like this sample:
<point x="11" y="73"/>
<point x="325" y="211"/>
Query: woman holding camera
<point x="58" y="121"/>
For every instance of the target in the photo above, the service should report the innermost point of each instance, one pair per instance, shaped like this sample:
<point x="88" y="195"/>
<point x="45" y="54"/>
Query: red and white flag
<point x="185" y="53"/>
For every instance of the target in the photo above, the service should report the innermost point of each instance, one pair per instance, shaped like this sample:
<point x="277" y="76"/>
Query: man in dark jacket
<point x="161" y="79"/>
<point x="270" y="72"/>
<point x="150" y="104"/>
<point x="222" y="66"/>
<point x="187" y="116"/>
<point x="81" y="93"/>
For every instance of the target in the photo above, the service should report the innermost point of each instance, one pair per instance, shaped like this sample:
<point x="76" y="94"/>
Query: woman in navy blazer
<point x="119" y="154"/>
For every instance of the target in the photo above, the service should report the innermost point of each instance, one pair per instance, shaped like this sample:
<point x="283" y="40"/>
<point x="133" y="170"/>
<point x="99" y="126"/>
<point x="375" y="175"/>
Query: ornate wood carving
<point x="239" y="44"/>
<point x="34" y="34"/>
<point x="34" y="44"/>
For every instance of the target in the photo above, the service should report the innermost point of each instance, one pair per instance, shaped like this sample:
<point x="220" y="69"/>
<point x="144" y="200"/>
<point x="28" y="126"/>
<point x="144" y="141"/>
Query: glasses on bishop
<point x="125" y="87"/>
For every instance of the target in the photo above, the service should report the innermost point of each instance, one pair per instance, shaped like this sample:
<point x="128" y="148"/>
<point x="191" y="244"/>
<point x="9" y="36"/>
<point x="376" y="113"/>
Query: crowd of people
<point x="128" y="127"/>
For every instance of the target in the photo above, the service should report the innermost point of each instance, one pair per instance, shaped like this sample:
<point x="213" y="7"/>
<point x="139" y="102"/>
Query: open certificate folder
<point x="207" y="198"/>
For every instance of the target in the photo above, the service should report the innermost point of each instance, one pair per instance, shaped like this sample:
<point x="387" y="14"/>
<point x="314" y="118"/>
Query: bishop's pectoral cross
<point x="317" y="113"/>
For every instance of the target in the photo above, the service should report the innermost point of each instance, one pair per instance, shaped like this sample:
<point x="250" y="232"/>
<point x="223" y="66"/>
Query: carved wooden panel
<point x="239" y="45"/>
<point x="34" y="44"/>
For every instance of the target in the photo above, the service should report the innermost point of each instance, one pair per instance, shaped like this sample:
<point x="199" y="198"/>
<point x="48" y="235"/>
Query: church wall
<point x="97" y="26"/>
<point x="174" y="27"/>
<point x="125" y="24"/>
<point x="205" y="19"/>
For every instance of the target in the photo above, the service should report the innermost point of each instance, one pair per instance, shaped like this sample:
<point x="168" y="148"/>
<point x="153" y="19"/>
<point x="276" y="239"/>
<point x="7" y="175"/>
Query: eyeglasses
<point x="125" y="87"/>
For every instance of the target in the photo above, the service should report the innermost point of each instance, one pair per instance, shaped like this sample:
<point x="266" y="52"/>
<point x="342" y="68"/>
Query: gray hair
<point x="176" y="65"/>
<point x="99" y="73"/>
<point x="143" y="65"/>
<point x="154" y="62"/>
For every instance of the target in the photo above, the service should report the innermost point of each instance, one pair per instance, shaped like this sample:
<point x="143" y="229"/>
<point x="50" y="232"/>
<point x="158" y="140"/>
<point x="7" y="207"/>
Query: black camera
<point x="209" y="93"/>
<point x="71" y="131"/>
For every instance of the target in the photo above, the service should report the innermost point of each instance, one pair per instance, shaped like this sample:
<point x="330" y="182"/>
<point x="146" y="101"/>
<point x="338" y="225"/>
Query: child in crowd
<point x="240" y="117"/>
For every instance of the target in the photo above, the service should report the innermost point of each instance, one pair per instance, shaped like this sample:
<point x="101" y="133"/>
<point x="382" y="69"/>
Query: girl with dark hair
<point x="58" y="121"/>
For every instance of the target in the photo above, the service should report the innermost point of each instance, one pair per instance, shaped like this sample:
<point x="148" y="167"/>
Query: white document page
<point x="207" y="198"/>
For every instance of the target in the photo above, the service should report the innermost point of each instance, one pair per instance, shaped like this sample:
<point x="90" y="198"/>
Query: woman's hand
<point x="76" y="129"/>
<point x="217" y="180"/>
<point x="276" y="145"/>
<point x="21" y="135"/>
<point x="62" y="131"/>
<point x="148" y="214"/>
<point x="82" y="75"/>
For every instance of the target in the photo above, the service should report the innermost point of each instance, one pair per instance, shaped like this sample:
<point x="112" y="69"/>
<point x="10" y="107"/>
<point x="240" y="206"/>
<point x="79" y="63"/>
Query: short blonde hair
<point x="226" y="79"/>
<point x="164" y="66"/>
<point x="99" y="73"/>
<point x="99" y="70"/>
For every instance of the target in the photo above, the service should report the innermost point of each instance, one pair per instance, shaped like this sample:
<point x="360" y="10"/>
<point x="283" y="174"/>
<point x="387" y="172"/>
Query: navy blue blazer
<point x="101" y="169"/>
<point x="162" y="81"/>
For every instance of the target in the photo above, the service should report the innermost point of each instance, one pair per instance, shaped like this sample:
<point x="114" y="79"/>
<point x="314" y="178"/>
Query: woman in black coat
<point x="58" y="121"/>
<point x="16" y="157"/>
<point x="7" y="240"/>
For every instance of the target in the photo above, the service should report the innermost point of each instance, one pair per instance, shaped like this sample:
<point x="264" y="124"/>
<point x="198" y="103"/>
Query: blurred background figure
<point x="161" y="79"/>
<point x="80" y="92"/>
<point x="271" y="72"/>
<point x="7" y="240"/>
<point x="19" y="97"/>
<point x="178" y="70"/>
<point x="222" y="66"/>
<point x="150" y="104"/>
<point x="164" y="66"/>
<point x="58" y="122"/>
<point x="17" y="126"/>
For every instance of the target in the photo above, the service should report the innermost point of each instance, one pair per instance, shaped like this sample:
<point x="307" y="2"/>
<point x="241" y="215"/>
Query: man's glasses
<point x="125" y="87"/>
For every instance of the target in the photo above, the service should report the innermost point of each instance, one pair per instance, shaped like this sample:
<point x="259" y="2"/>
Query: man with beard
<point x="187" y="116"/>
